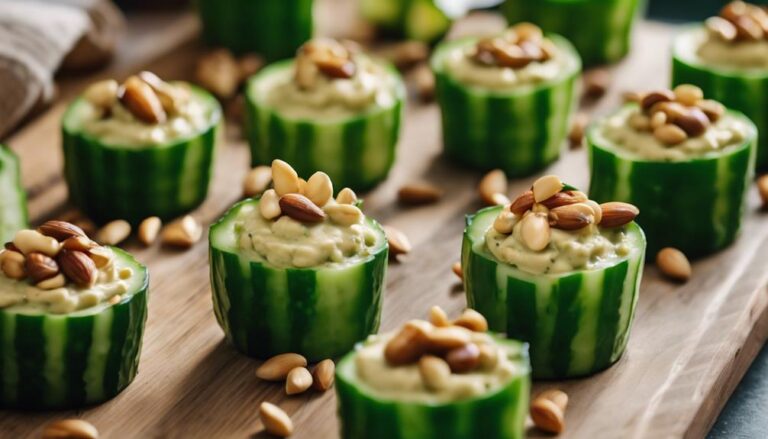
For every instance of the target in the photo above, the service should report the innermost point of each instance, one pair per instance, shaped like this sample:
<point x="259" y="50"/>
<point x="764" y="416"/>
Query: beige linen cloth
<point x="38" y="37"/>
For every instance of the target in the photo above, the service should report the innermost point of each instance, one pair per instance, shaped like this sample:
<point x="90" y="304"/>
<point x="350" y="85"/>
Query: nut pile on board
<point x="309" y="201"/>
<point x="326" y="56"/>
<point x="441" y="347"/>
<point x="55" y="254"/>
<point x="673" y="116"/>
<point x="519" y="46"/>
<point x="147" y="97"/>
<point x="739" y="21"/>
<point x="549" y="204"/>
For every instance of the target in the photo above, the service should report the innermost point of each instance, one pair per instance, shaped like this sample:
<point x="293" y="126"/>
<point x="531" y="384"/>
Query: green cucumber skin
<point x="13" y="198"/>
<point x="132" y="183"/>
<point x="356" y="152"/>
<point x="520" y="133"/>
<point x="319" y="313"/>
<point x="747" y="92"/>
<point x="711" y="192"/>
<point x="57" y="362"/>
<point x="577" y="324"/>
<point x="419" y="20"/>
<point x="606" y="39"/>
<point x="274" y="29"/>
<point x="500" y="415"/>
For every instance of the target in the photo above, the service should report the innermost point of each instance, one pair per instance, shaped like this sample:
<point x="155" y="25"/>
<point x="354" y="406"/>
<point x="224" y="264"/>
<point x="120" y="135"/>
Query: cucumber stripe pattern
<point x="52" y="361"/>
<point x="355" y="152"/>
<point x="521" y="131"/>
<point x="745" y="91"/>
<point x="274" y="29"/>
<point x="111" y="182"/>
<point x="713" y="189"/>
<point x="606" y="39"/>
<point x="576" y="323"/>
<point x="320" y="313"/>
<point x="499" y="415"/>
<point x="13" y="198"/>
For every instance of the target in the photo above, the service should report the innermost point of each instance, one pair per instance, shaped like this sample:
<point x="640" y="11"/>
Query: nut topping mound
<point x="326" y="56"/>
<point x="520" y="45"/>
<point x="739" y="21"/>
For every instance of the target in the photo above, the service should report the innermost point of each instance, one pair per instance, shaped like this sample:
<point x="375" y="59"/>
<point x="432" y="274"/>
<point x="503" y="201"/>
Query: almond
<point x="713" y="109"/>
<point x="323" y="375"/>
<point x="547" y="416"/>
<point x="256" y="181"/>
<point x="298" y="381"/>
<point x="472" y="320"/>
<point x="399" y="244"/>
<point x="617" y="214"/>
<point x="183" y="233"/>
<point x="335" y="67"/>
<point x="522" y="203"/>
<point x="70" y="429"/>
<point x="149" y="229"/>
<point x="346" y="196"/>
<point x="275" y="420"/>
<point x="114" y="232"/>
<point x="438" y="317"/>
<point x="434" y="371"/>
<point x="419" y="193"/>
<point x="78" y="267"/>
<point x="463" y="359"/>
<point x="278" y="367"/>
<point x="284" y="178"/>
<point x="60" y="230"/>
<point x="493" y="183"/>
<point x="762" y="189"/>
<point x="571" y="217"/>
<point x="40" y="267"/>
<point x="535" y="231"/>
<point x="79" y="243"/>
<point x="673" y="263"/>
<point x="654" y="97"/>
<point x="489" y="356"/>
<point x="546" y="187"/>
<point x="694" y="122"/>
<point x="409" y="344"/>
<point x="139" y="98"/>
<point x="172" y="98"/>
<point x="300" y="208"/>
<point x="319" y="189"/>
<point x="564" y="198"/>
<point x="457" y="270"/>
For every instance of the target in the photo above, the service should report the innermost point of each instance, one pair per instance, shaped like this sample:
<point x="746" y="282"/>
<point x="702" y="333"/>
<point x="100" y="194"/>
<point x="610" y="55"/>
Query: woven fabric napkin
<point x="37" y="37"/>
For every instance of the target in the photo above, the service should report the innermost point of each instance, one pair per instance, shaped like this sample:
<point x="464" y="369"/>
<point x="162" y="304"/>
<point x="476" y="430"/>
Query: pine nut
<point x="183" y="233"/>
<point x="284" y="178"/>
<point x="535" y="231"/>
<point x="399" y="244"/>
<point x="670" y="134"/>
<point x="346" y="196"/>
<point x="489" y="356"/>
<point x="409" y="344"/>
<point x="472" y="320"/>
<point x="113" y="233"/>
<point x="275" y="420"/>
<point x="28" y="241"/>
<point x="505" y="222"/>
<point x="438" y="317"/>
<point x="658" y="119"/>
<point x="546" y="187"/>
<point x="344" y="214"/>
<point x="13" y="265"/>
<point x="278" y="367"/>
<point x="269" y="205"/>
<point x="256" y="181"/>
<point x="57" y="281"/>
<point x="559" y="397"/>
<point x="688" y="94"/>
<point x="70" y="429"/>
<point x="547" y="416"/>
<point x="149" y="229"/>
<point x="639" y="122"/>
<point x="674" y="264"/>
<point x="457" y="270"/>
<point x="445" y="339"/>
<point x="434" y="371"/>
<point x="298" y="381"/>
<point x="319" y="189"/>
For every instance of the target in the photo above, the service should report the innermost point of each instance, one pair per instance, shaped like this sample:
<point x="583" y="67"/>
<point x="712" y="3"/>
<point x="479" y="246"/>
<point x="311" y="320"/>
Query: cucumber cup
<point x="340" y="115"/>
<point x="490" y="121"/>
<point x="709" y="184"/>
<point x="729" y="71"/>
<point x="297" y="275"/>
<point x="428" y="397"/>
<point x="274" y="29"/>
<point x="147" y="153"/>
<point x="72" y="339"/>
<point x="572" y="298"/>
<point x="606" y="39"/>
<point x="13" y="199"/>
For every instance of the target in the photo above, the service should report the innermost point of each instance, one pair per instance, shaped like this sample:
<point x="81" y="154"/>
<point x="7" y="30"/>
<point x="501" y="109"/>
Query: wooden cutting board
<point x="690" y="344"/>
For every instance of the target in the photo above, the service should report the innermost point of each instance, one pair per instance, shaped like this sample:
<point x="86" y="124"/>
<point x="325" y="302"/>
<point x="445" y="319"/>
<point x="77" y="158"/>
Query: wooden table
<point x="690" y="343"/>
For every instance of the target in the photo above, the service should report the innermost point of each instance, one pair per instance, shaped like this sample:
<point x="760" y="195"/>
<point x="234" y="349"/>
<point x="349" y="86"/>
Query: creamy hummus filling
<point x="113" y="280"/>
<point x="122" y="128"/>
<point x="588" y="248"/>
<point x="459" y="63"/>
<point x="372" y="86"/>
<point x="616" y="129"/>
<point x="740" y="54"/>
<point x="287" y="242"/>
<point x="404" y="382"/>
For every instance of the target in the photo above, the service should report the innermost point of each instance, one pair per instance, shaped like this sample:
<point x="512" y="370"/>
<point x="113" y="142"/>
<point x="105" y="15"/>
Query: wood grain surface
<point x="689" y="347"/>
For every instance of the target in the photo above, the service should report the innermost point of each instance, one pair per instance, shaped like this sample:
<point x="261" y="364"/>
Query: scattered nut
<point x="275" y="420"/>
<point x="149" y="229"/>
<point x="472" y="320"/>
<point x="57" y="281"/>
<point x="578" y="128"/>
<point x="101" y="256"/>
<point x="564" y="198"/>
<point x="419" y="193"/>
<point x="596" y="82"/>
<point x="183" y="233"/>
<point x="70" y="429"/>
<point x="571" y="217"/>
<point x="219" y="73"/>
<point x="457" y="270"/>
<point x="673" y="263"/>
<point x="399" y="244"/>
<point x="102" y="94"/>
<point x="408" y="345"/>
<point x="547" y="415"/>
<point x="113" y="233"/>
<point x="78" y="243"/>
<point x="28" y="241"/>
<point x="762" y="189"/>
<point x="505" y="222"/>
<point x="171" y="97"/>
<point x="323" y="375"/>
<point x="257" y="181"/>
<point x="522" y="204"/>
<point x="688" y="94"/>
<point x="424" y="81"/>
<point x="298" y="381"/>
<point x="492" y="184"/>
<point x="278" y="367"/>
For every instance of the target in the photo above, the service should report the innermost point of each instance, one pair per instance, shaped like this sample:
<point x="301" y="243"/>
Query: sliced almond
<point x="284" y="178"/>
<point x="346" y="196"/>
<point x="457" y="270"/>
<point x="114" y="232"/>
<point x="300" y="208"/>
<point x="276" y="421"/>
<point x="434" y="371"/>
<point x="463" y="359"/>
<point x="571" y="217"/>
<point x="399" y="244"/>
<point x="522" y="204"/>
<point x="409" y="344"/>
<point x="70" y="429"/>
<point x="547" y="416"/>
<point x="257" y="181"/>
<point x="545" y="187"/>
<point x="183" y="233"/>
<point x="493" y="183"/>
<point x="419" y="193"/>
<point x="438" y="317"/>
<point x="139" y="98"/>
<point x="344" y="214"/>
<point x="319" y="189"/>
<point x="269" y="205"/>
<point x="278" y="367"/>
<point x="673" y="263"/>
<point x="78" y="267"/>
<point x="149" y="229"/>
<point x="762" y="189"/>
<point x="60" y="230"/>
<point x="617" y="214"/>
<point x="535" y="231"/>
<point x="298" y="381"/>
<point x="323" y="375"/>
<point x="472" y="320"/>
